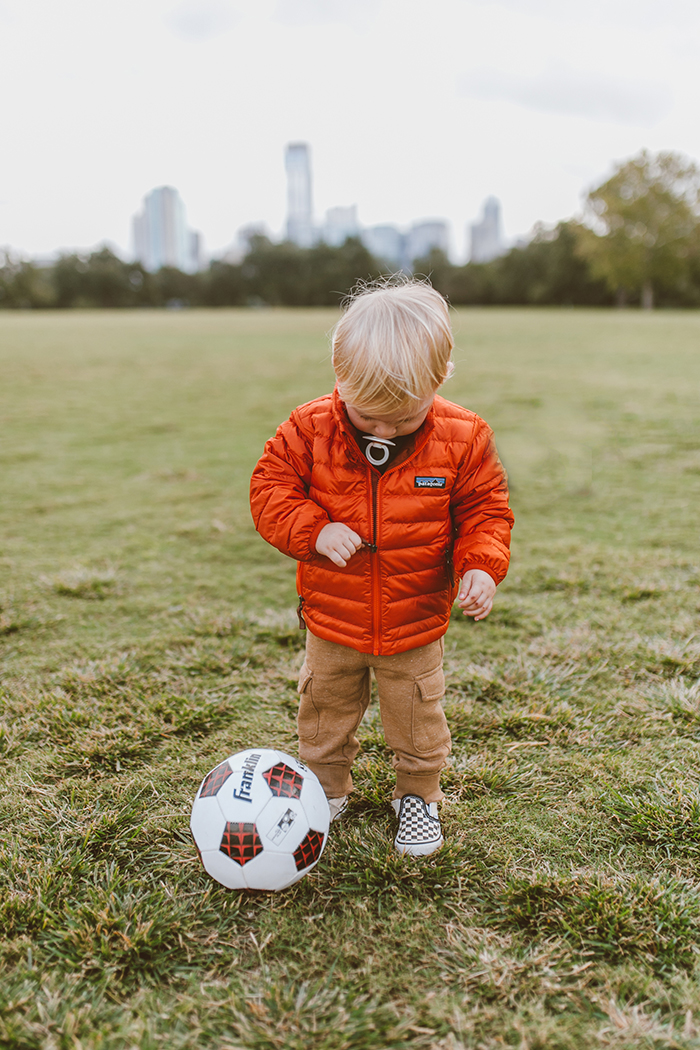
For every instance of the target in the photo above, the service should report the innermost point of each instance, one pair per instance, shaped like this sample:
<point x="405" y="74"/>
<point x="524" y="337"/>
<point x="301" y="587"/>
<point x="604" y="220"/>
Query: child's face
<point x="398" y="424"/>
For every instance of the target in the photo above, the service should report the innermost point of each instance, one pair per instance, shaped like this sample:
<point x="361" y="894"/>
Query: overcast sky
<point x="413" y="108"/>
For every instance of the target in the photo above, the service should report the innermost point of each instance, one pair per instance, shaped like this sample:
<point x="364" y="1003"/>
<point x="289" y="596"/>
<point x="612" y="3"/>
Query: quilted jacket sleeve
<point x="480" y="511"/>
<point x="282" y="511"/>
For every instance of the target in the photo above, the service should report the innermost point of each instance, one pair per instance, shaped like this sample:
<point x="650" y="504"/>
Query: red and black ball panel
<point x="213" y="781"/>
<point x="240" y="842"/>
<point x="284" y="782"/>
<point x="309" y="850"/>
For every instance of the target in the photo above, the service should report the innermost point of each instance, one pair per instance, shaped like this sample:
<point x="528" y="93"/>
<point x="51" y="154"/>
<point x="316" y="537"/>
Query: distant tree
<point x="333" y="271"/>
<point x="173" y="287"/>
<point x="547" y="271"/>
<point x="109" y="280"/>
<point x="99" y="279"/>
<point x="287" y="275"/>
<point x="276" y="274"/>
<point x="687" y="290"/>
<point x="640" y="224"/>
<point x="439" y="271"/>
<point x="223" y="285"/>
<point x="24" y="285"/>
<point x="468" y="285"/>
<point x="69" y="280"/>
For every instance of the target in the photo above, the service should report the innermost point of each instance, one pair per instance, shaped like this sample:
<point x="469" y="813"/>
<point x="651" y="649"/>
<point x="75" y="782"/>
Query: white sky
<point x="413" y="108"/>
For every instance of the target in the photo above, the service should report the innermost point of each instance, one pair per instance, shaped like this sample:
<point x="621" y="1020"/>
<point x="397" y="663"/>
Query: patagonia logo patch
<point x="430" y="483"/>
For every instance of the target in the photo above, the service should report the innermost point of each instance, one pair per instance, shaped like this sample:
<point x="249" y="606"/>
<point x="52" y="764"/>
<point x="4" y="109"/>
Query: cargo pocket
<point x="307" y="716"/>
<point x="429" y="730"/>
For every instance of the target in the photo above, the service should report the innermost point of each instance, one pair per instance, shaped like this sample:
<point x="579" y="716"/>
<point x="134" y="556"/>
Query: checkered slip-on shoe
<point x="419" y="826"/>
<point x="337" y="806"/>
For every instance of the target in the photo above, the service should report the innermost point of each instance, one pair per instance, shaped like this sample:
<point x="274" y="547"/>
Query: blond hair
<point x="392" y="346"/>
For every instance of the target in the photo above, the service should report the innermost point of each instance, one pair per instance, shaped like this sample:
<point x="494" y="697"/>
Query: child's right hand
<point x="338" y="542"/>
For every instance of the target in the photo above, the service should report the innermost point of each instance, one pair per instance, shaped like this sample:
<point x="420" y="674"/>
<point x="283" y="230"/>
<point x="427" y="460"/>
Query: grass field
<point x="146" y="632"/>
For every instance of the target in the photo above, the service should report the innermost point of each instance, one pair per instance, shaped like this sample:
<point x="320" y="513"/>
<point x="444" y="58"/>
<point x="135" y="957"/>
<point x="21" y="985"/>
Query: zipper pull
<point x="302" y="624"/>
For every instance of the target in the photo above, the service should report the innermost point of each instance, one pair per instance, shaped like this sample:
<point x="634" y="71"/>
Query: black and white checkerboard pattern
<point x="419" y="830"/>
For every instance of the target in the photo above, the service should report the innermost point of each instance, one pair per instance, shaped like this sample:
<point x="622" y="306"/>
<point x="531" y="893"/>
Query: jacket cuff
<point x="315" y="534"/>
<point x="484" y="568"/>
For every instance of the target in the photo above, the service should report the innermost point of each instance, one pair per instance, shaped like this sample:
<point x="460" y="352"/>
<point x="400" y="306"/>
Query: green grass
<point x="146" y="632"/>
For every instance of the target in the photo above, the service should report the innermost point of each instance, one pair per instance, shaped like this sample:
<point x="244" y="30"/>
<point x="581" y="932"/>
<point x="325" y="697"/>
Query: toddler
<point x="393" y="502"/>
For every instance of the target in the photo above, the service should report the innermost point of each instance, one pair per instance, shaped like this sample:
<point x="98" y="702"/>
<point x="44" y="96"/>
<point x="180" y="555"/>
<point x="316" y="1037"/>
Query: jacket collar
<point x="343" y="423"/>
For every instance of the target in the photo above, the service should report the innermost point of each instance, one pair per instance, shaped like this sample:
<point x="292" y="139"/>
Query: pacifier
<point x="377" y="450"/>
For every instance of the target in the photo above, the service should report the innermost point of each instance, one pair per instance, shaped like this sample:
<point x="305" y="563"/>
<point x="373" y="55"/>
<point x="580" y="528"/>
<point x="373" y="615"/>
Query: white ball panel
<point x="207" y="823"/>
<point x="282" y="824"/>
<point x="268" y="757"/>
<point x="298" y="875"/>
<point x="224" y="870"/>
<point x="270" y="871"/>
<point x="315" y="803"/>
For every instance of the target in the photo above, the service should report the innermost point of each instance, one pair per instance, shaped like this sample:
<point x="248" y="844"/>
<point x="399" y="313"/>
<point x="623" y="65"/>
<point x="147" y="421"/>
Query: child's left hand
<point x="476" y="593"/>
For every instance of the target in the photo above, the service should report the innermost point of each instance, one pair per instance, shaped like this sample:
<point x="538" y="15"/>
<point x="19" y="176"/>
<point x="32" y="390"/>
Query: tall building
<point x="386" y="243"/>
<point x="400" y="250"/>
<point x="486" y="236"/>
<point x="161" y="236"/>
<point x="424" y="237"/>
<point x="196" y="247"/>
<point x="300" y="217"/>
<point x="340" y="224"/>
<point x="243" y="242"/>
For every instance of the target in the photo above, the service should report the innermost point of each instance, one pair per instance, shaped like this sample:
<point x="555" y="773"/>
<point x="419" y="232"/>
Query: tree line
<point x="638" y="243"/>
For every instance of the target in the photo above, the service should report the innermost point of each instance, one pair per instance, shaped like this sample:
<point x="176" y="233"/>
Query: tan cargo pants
<point x="335" y="687"/>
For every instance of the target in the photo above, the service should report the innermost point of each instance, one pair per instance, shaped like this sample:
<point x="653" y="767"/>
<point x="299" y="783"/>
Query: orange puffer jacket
<point x="426" y="521"/>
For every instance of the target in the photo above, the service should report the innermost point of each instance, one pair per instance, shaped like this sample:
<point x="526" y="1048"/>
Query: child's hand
<point x="338" y="542"/>
<point x="476" y="593"/>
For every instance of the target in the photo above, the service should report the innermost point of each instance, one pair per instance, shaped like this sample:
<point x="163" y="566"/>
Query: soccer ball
<point x="260" y="820"/>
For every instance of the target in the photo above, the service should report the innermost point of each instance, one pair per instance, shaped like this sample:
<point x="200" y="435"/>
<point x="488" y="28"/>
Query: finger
<point x="484" y="611"/>
<point x="337" y="559"/>
<point x="472" y="601"/>
<point x="475" y="607"/>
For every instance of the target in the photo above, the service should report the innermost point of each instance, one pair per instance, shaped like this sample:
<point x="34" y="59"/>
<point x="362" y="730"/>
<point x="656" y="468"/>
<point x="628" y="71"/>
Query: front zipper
<point x="373" y="548"/>
<point x="375" y="484"/>
<point x="374" y="563"/>
<point x="450" y="565"/>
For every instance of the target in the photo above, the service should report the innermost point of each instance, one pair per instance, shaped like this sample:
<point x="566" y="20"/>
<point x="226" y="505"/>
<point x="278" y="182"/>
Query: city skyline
<point x="386" y="241"/>
<point x="161" y="236"/>
<point x="109" y="100"/>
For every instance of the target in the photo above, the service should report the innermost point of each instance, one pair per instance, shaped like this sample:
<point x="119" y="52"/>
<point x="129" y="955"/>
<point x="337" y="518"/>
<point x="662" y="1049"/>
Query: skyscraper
<point x="300" y="219"/>
<point x="386" y="243"/>
<point x="486" y="236"/>
<point x="340" y="224"/>
<point x="161" y="236"/>
<point x="423" y="237"/>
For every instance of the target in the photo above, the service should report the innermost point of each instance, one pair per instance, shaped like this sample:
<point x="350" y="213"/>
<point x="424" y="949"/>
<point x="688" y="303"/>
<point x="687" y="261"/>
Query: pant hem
<point x="426" y="787"/>
<point x="336" y="781"/>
